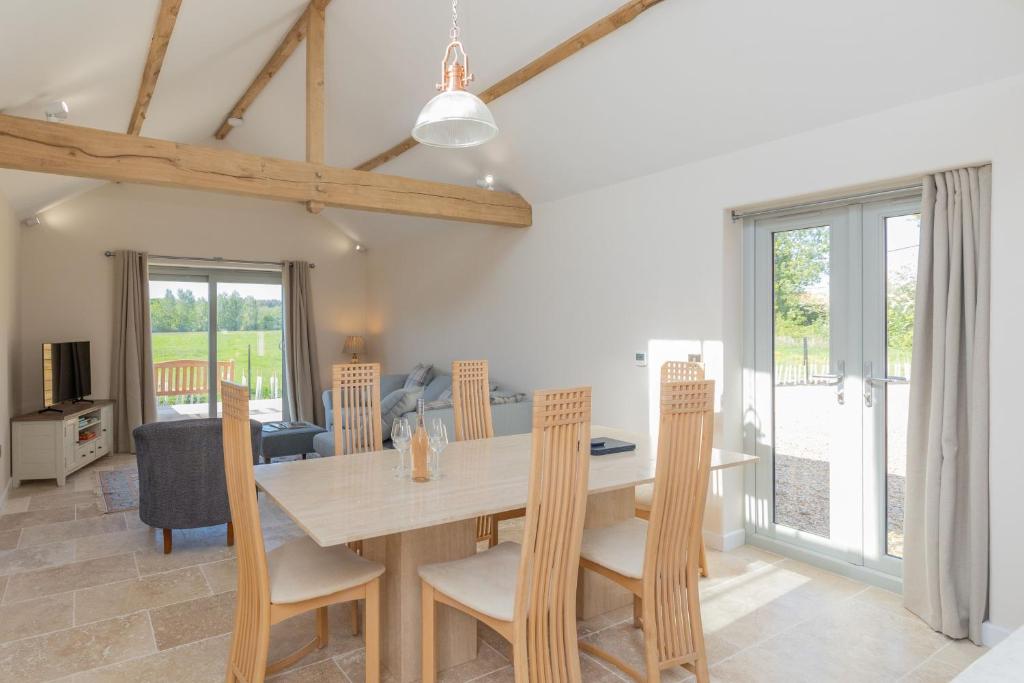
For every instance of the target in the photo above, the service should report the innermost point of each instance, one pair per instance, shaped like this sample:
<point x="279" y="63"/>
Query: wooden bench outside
<point x="189" y="377"/>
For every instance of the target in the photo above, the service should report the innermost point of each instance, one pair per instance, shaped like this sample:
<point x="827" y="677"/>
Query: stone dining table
<point x="404" y="524"/>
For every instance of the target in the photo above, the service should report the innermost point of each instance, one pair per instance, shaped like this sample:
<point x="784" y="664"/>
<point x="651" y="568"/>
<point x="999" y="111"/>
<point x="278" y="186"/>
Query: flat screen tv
<point x="67" y="375"/>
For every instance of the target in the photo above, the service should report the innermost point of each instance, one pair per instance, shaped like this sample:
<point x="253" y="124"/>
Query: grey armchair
<point x="181" y="475"/>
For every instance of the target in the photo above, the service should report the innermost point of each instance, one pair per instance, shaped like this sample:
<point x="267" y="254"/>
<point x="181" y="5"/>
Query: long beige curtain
<point x="945" y="564"/>
<point x="302" y="366"/>
<point x="131" y="367"/>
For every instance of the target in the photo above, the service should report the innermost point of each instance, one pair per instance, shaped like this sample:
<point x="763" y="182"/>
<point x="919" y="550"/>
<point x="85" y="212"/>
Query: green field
<point x="264" y="360"/>
<point x="790" y="351"/>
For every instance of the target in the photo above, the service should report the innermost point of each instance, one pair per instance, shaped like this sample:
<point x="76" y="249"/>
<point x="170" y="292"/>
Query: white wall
<point x="66" y="282"/>
<point x="602" y="274"/>
<point x="9" y="236"/>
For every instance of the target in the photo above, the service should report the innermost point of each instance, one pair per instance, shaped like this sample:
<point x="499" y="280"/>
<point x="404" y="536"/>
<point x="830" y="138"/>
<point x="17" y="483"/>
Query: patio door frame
<point x="212" y="277"/>
<point x="857" y="294"/>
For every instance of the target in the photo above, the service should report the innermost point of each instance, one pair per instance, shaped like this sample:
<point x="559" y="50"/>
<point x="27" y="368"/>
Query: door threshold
<point x="836" y="566"/>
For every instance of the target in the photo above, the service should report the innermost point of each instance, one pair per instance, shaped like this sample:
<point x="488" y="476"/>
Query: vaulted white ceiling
<point x="687" y="80"/>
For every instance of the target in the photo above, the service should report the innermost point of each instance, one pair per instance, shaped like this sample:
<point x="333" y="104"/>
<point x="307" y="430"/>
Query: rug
<point x="120" y="489"/>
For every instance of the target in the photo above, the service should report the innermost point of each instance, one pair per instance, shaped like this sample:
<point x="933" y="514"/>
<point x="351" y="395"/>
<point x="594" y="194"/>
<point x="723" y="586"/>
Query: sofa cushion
<point x="420" y="376"/>
<point x="394" y="404"/>
<point x="437" y="386"/>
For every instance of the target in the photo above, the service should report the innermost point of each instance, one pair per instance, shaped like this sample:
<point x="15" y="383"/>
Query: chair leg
<point x="703" y="559"/>
<point x="638" y="607"/>
<point x="651" y="644"/>
<point x="323" y="632"/>
<point x="429" y="664"/>
<point x="355" y="617"/>
<point x="373" y="631"/>
<point x="493" y="541"/>
<point x="167" y="542"/>
<point x="231" y="534"/>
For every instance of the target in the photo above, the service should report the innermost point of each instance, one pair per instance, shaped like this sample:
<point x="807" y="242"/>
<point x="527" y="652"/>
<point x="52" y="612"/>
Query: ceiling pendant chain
<point x="455" y="20"/>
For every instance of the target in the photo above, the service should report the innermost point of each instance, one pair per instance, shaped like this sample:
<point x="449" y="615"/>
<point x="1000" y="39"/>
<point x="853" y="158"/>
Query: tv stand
<point x="57" y="441"/>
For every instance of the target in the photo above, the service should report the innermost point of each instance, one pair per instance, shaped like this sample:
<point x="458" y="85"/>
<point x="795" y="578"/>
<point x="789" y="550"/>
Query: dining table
<point x="405" y="524"/>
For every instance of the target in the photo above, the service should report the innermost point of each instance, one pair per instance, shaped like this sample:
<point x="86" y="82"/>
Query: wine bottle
<point x="420" y="446"/>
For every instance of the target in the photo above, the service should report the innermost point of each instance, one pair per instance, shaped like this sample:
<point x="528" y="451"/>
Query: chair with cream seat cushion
<point x="657" y="559"/>
<point x="297" y="577"/>
<point x="672" y="371"/>
<point x="527" y="593"/>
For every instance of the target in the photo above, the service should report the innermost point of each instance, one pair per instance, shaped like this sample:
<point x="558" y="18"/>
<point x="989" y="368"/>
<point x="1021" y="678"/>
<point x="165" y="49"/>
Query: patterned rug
<point x="120" y="489"/>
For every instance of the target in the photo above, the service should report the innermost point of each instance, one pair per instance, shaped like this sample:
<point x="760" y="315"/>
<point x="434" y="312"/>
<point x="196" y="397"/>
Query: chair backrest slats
<point x="471" y="400"/>
<point x="681" y="371"/>
<point x="356" y="407"/>
<point x="553" y="531"/>
<point x="248" y="654"/>
<point x="677" y="510"/>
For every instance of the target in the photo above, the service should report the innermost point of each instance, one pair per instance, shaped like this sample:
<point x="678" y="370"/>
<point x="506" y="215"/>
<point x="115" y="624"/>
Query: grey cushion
<point x="420" y="376"/>
<point x="436" y="387"/>
<point x="395" y="404"/>
<point x="295" y="441"/>
<point x="181" y="472"/>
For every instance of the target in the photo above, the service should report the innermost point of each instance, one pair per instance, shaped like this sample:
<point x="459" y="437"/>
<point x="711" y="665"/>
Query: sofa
<point x="181" y="474"/>
<point x="511" y="413"/>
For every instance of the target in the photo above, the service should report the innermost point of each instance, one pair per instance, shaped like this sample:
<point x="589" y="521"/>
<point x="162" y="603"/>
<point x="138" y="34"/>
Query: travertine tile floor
<point x="89" y="596"/>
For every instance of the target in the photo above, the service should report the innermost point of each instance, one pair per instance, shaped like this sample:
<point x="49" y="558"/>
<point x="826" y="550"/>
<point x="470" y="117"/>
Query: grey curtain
<point x="945" y="563"/>
<point x="302" y="366"/>
<point x="131" y="367"/>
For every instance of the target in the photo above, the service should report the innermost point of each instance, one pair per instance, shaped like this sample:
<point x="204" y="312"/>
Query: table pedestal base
<point x="596" y="594"/>
<point x="402" y="554"/>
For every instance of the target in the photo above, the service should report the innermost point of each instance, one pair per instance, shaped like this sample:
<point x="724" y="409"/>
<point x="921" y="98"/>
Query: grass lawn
<point x="265" y="349"/>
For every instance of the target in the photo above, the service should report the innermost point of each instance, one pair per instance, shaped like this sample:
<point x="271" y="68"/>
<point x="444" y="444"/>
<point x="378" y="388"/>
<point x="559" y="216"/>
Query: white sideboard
<point x="53" y="444"/>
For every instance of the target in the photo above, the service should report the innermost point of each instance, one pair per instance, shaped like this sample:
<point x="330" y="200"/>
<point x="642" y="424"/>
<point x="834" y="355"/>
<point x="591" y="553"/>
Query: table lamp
<point x="355" y="346"/>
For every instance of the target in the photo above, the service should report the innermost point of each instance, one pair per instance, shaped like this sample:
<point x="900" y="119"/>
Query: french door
<point x="830" y="329"/>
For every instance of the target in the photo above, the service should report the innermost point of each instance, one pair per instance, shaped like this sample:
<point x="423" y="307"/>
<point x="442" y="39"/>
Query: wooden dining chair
<point x="356" y="407"/>
<point x="656" y="559"/>
<point x="357" y="423"/>
<point x="528" y="593"/>
<point x="471" y="403"/>
<point x="296" y="577"/>
<point x="673" y="371"/>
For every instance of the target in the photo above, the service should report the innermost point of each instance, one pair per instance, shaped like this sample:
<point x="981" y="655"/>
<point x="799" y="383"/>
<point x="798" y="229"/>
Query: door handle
<point x="871" y="382"/>
<point x="838" y="380"/>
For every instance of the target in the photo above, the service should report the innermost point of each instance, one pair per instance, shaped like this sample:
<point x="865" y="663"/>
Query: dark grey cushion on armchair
<point x="181" y="472"/>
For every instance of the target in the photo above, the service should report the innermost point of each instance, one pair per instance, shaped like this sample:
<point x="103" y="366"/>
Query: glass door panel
<point x="180" y="319"/>
<point x="806" y="410"/>
<point x="249" y="345"/>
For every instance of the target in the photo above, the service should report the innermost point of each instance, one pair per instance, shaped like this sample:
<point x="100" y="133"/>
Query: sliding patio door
<point x="830" y="329"/>
<point x="211" y="325"/>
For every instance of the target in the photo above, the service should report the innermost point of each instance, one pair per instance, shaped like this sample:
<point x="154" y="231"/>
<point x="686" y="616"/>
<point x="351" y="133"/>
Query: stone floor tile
<point x="69" y="577"/>
<point x="70" y="530"/>
<point x="32" y="617"/>
<point x="158" y="590"/>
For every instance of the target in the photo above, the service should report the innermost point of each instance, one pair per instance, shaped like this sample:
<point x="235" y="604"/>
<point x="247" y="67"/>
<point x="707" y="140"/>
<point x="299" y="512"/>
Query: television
<point x="67" y="375"/>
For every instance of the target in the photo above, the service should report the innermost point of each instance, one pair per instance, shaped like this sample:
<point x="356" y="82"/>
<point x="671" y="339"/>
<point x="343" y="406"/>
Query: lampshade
<point x="354" y="345"/>
<point x="454" y="118"/>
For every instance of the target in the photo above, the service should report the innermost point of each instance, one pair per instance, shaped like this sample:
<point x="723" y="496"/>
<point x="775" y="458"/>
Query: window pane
<point x="902" y="235"/>
<point x="180" y="319"/>
<point x="806" y="411"/>
<point x="249" y="351"/>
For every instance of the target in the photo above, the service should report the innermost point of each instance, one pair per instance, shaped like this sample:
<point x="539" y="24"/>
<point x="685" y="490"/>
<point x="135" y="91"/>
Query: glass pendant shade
<point x="454" y="118"/>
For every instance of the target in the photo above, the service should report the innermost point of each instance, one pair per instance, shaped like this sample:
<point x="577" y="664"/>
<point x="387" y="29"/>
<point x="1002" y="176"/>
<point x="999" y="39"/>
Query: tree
<point x="801" y="266"/>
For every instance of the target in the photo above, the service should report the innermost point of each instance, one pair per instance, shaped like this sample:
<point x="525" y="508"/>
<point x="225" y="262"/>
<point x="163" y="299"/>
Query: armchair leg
<point x="167" y="541"/>
<point x="231" y="534"/>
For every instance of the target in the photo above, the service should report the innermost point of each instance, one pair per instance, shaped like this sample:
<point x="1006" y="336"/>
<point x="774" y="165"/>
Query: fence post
<point x="807" y="371"/>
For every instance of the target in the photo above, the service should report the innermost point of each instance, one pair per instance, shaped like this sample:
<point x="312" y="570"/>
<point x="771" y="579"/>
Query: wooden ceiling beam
<point x="44" y="147"/>
<point x="315" y="88"/>
<point x="291" y="41"/>
<point x="165" y="20"/>
<point x="591" y="34"/>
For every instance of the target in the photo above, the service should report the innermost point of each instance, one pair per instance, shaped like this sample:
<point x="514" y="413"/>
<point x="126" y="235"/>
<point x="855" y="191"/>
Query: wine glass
<point x="401" y="438"/>
<point x="437" y="435"/>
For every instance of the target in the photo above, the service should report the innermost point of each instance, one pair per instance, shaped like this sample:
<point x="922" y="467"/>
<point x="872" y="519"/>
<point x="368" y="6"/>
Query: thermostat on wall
<point x="640" y="358"/>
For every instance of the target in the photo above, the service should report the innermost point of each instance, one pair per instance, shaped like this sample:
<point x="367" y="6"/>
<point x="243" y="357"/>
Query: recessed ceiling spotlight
<point x="31" y="221"/>
<point x="361" y="248"/>
<point x="57" y="112"/>
<point x="235" y="121"/>
<point x="487" y="182"/>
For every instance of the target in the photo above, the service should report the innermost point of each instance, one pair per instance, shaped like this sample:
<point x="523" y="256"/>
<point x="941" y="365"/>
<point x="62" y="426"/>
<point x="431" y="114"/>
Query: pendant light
<point x="455" y="118"/>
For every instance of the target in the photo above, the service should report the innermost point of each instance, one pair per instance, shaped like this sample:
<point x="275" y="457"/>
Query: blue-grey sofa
<point x="507" y="418"/>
